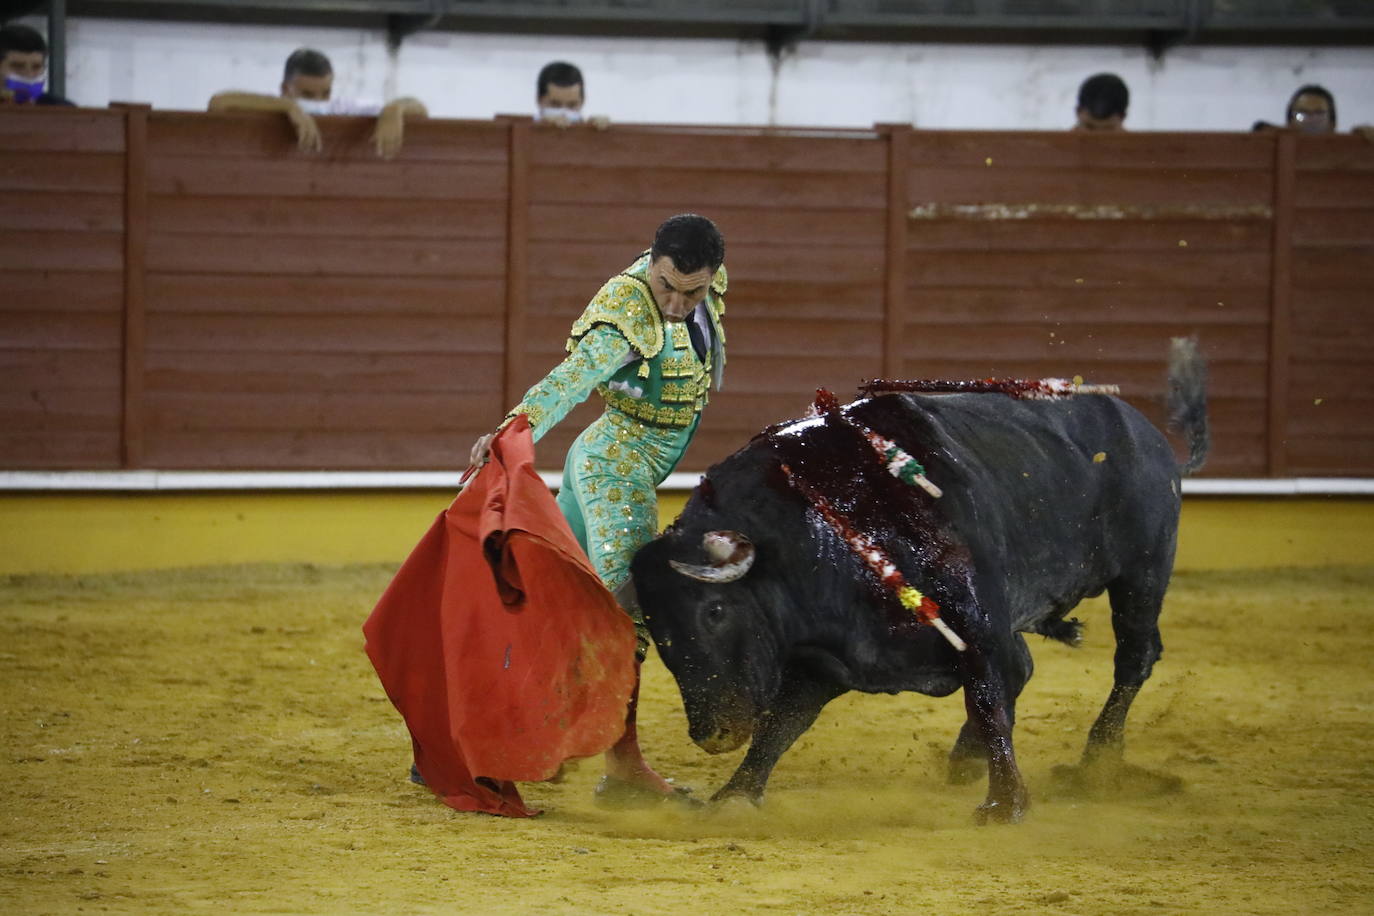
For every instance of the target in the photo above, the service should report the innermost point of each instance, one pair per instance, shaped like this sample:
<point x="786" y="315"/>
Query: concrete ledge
<point x="183" y="481"/>
<point x="1291" y="486"/>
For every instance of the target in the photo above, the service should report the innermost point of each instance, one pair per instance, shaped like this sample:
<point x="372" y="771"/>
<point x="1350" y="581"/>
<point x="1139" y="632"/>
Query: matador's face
<point x="675" y="292"/>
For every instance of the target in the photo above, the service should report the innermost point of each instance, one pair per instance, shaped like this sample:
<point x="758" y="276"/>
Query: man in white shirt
<point x="307" y="90"/>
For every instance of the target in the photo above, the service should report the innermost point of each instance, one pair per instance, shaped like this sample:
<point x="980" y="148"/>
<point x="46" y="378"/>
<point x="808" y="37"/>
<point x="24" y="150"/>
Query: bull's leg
<point x="1135" y="618"/>
<point x="968" y="759"/>
<point x="800" y="700"/>
<point x="986" y="698"/>
<point x="1136" y="605"/>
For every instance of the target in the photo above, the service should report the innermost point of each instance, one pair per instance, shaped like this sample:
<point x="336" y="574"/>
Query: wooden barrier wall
<point x="1323" y="410"/>
<point x="184" y="290"/>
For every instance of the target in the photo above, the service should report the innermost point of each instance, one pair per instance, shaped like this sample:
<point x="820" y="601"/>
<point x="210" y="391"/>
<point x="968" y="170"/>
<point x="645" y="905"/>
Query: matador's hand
<point x="481" y="450"/>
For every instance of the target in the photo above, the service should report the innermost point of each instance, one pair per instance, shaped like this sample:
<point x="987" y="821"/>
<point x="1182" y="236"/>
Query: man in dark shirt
<point x="24" y="68"/>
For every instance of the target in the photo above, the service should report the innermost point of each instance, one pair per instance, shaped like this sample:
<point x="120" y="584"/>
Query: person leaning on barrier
<point x="1102" y="103"/>
<point x="559" y="94"/>
<point x="307" y="89"/>
<point x="24" y="67"/>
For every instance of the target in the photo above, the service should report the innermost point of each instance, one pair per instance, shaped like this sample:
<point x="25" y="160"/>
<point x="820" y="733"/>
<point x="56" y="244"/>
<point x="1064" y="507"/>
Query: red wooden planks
<point x="62" y="176"/>
<point x="1329" y="310"/>
<point x="336" y="310"/>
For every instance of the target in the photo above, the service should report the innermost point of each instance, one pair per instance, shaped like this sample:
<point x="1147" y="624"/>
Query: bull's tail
<point x="1188" y="400"/>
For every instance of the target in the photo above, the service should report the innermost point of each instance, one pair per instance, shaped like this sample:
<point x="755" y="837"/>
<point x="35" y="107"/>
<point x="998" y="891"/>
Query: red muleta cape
<point x="498" y="643"/>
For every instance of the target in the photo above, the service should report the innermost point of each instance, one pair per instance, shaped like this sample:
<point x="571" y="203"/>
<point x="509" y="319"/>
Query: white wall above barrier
<point x="721" y="81"/>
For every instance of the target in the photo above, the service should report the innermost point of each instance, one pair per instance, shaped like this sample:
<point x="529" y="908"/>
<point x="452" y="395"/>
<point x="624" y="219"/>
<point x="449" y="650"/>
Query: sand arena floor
<point x="215" y="741"/>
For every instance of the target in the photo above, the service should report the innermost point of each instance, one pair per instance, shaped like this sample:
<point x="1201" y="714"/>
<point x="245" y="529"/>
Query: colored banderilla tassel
<point x="876" y="559"/>
<point x="899" y="463"/>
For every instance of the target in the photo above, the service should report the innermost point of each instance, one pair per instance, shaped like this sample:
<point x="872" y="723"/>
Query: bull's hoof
<point x="415" y="776"/>
<point x="726" y="794"/>
<point x="964" y="770"/>
<point x="620" y="794"/>
<point x="999" y="812"/>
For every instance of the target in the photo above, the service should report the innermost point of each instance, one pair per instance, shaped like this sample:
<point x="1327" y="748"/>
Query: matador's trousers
<point x="609" y="493"/>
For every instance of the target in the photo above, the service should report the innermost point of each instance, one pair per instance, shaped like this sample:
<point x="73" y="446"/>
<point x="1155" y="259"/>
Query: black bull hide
<point x="1046" y="502"/>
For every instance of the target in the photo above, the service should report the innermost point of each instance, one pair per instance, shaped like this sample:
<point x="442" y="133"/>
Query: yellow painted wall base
<point x="85" y="533"/>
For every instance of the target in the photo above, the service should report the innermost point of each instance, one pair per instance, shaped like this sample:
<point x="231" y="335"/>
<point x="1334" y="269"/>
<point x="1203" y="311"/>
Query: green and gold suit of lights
<point x="654" y="386"/>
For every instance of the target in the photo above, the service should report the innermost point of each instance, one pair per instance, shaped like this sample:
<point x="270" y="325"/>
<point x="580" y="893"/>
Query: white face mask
<point x="313" y="106"/>
<point x="571" y="115"/>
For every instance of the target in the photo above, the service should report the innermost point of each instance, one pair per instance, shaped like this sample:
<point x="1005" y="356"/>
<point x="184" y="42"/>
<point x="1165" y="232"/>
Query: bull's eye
<point x="715" y="614"/>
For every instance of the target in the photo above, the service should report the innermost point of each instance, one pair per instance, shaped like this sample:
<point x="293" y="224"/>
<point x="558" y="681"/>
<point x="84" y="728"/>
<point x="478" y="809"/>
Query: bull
<point x="763" y="612"/>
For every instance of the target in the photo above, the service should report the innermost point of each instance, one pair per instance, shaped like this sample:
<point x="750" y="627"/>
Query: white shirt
<point x="701" y="317"/>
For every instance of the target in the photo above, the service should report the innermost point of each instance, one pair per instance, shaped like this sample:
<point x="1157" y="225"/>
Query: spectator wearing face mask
<point x="559" y="94"/>
<point x="1102" y="102"/>
<point x="1312" y="110"/>
<point x="307" y="90"/>
<point x="24" y="68"/>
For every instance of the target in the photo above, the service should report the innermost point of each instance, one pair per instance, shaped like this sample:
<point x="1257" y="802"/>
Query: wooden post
<point x="135" y="259"/>
<point x="517" y="260"/>
<point x="894" y="263"/>
<point x="1281" y="301"/>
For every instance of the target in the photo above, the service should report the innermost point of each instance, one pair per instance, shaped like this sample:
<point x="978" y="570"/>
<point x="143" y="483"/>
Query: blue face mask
<point x="24" y="90"/>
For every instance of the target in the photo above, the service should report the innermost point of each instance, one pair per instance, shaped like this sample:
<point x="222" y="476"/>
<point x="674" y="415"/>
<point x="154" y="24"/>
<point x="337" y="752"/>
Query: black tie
<point x="698" y="339"/>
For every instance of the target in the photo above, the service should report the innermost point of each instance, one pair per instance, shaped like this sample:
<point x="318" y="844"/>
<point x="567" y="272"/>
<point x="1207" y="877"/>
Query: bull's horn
<point x="731" y="556"/>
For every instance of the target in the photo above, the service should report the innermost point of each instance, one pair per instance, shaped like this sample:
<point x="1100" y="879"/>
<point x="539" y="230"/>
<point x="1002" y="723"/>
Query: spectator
<point x="307" y="90"/>
<point x="1312" y="110"/>
<point x="559" y="94"/>
<point x="1102" y="101"/>
<point x="24" y="67"/>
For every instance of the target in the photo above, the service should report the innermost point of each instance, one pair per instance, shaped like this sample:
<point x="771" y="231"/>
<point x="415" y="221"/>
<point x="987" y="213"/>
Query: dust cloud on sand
<point x="215" y="741"/>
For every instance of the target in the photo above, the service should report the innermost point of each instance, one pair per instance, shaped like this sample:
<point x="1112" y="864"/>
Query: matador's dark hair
<point x="692" y="241"/>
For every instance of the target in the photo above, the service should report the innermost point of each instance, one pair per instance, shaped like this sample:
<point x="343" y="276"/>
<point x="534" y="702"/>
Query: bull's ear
<point x="731" y="553"/>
